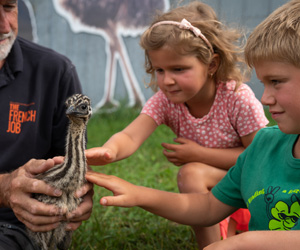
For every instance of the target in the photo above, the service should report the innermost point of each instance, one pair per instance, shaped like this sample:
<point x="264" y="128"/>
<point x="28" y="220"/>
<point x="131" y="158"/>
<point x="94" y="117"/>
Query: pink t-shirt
<point x="234" y="114"/>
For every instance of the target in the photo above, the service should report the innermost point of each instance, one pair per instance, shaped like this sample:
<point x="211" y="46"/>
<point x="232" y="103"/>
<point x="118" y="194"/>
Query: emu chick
<point x="68" y="176"/>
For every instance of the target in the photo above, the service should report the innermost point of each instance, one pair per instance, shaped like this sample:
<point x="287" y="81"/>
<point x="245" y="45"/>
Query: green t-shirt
<point x="266" y="180"/>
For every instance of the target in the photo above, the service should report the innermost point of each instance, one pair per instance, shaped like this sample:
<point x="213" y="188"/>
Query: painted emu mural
<point x="111" y="19"/>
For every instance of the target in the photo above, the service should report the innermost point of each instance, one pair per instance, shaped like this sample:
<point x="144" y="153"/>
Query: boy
<point x="266" y="176"/>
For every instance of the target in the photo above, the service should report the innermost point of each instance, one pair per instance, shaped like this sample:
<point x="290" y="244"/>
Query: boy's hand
<point x="125" y="193"/>
<point x="99" y="156"/>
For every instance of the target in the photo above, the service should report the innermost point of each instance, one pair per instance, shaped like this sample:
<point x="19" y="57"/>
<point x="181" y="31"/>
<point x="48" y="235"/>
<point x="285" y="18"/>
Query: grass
<point x="133" y="228"/>
<point x="268" y="115"/>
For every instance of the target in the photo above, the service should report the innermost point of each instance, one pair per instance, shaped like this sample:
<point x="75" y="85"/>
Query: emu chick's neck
<point x="75" y="161"/>
<point x="70" y="175"/>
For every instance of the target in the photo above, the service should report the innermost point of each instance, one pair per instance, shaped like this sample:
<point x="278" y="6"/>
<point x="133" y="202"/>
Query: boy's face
<point x="281" y="93"/>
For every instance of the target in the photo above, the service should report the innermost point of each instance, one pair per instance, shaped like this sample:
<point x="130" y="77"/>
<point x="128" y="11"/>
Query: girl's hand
<point x="185" y="151"/>
<point x="125" y="193"/>
<point x="99" y="156"/>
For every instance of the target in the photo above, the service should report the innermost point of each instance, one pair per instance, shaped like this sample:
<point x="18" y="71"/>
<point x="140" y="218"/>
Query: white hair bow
<point x="185" y="24"/>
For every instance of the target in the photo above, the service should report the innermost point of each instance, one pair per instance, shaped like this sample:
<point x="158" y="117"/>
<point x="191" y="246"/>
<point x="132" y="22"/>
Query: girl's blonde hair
<point x="225" y="41"/>
<point x="277" y="38"/>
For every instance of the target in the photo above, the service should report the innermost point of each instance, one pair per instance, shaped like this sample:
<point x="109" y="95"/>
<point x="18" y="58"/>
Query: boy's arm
<point x="189" y="209"/>
<point x="124" y="143"/>
<point x="256" y="240"/>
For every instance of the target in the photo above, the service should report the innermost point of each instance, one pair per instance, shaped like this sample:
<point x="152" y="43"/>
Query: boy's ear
<point x="214" y="65"/>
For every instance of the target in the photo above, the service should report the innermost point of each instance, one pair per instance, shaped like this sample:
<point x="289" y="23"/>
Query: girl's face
<point x="183" y="79"/>
<point x="281" y="93"/>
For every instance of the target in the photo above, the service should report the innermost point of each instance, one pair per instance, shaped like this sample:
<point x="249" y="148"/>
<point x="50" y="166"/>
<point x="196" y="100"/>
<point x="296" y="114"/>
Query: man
<point x="34" y="84"/>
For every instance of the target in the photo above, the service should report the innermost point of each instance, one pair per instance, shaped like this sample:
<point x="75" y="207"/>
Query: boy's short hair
<point x="277" y="38"/>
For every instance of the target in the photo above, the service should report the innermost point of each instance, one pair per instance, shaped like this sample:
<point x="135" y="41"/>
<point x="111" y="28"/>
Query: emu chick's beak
<point x="70" y="110"/>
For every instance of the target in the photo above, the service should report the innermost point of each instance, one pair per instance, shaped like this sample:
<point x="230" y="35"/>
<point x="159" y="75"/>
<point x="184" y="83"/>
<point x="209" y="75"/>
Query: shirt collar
<point x="15" y="58"/>
<point x="13" y="64"/>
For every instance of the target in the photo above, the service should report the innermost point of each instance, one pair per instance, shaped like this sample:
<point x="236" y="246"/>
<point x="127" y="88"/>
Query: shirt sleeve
<point x="247" y="113"/>
<point x="228" y="189"/>
<point x="156" y="107"/>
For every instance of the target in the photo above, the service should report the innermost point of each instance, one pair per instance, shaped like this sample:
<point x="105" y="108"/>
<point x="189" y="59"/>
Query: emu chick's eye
<point x="83" y="107"/>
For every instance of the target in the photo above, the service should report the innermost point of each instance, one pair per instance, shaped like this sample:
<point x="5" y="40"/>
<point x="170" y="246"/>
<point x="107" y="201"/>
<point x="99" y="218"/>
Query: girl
<point x="194" y="62"/>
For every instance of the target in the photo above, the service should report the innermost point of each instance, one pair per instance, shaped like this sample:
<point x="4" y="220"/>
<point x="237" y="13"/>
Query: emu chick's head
<point x="78" y="108"/>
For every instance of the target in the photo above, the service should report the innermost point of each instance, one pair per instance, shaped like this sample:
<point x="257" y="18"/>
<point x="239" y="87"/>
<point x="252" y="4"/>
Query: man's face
<point x="8" y="26"/>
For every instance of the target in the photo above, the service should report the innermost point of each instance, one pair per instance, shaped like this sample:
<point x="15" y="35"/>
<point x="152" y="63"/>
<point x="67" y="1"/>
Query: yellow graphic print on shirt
<point x="282" y="216"/>
<point x="285" y="217"/>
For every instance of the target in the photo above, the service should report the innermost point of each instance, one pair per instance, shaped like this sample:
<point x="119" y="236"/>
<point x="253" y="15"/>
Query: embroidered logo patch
<point x="18" y="114"/>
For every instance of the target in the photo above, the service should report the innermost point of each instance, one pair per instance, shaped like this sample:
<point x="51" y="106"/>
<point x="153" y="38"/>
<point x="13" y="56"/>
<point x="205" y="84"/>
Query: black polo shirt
<point x="34" y="84"/>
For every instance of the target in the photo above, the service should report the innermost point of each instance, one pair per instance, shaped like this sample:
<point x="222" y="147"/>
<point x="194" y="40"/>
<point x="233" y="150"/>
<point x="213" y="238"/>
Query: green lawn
<point x="133" y="228"/>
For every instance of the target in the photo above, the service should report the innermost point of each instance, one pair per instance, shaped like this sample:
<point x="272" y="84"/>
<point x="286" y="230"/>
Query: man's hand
<point x="16" y="189"/>
<point x="84" y="211"/>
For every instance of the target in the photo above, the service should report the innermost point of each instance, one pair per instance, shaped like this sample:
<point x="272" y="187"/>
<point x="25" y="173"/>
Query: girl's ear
<point x="214" y="65"/>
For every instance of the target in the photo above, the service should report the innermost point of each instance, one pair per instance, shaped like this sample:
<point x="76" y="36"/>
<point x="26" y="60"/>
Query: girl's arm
<point x="186" y="151"/>
<point x="256" y="240"/>
<point x="124" y="143"/>
<point x="188" y="208"/>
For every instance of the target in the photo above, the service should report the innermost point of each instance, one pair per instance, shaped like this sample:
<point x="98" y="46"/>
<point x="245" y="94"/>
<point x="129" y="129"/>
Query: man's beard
<point x="6" y="46"/>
